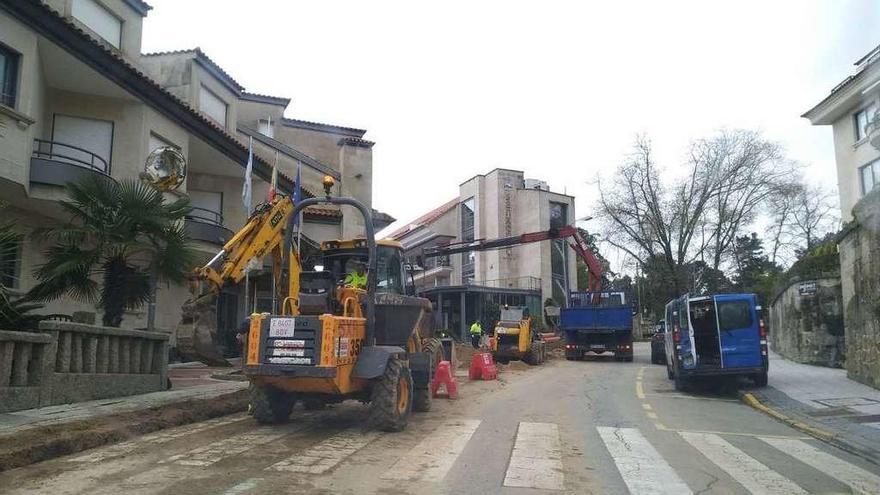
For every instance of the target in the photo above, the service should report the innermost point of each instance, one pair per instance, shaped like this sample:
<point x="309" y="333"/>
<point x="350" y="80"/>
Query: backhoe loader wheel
<point x="535" y="355"/>
<point x="422" y="396"/>
<point x="270" y="405"/>
<point x="392" y="397"/>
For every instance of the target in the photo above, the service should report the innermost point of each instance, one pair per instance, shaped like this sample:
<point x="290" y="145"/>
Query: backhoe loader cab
<point x="335" y="340"/>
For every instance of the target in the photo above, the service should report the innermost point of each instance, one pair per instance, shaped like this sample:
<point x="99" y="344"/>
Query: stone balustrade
<point x="68" y="362"/>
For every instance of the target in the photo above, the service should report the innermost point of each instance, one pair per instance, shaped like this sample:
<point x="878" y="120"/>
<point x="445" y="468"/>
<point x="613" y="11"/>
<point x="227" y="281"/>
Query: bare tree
<point x="780" y="207"/>
<point x="812" y="215"/>
<point x="730" y="176"/>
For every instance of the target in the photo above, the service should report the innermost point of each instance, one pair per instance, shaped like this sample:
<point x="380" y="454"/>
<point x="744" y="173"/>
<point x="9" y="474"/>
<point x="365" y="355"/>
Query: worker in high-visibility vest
<point x="476" y="333"/>
<point x="357" y="276"/>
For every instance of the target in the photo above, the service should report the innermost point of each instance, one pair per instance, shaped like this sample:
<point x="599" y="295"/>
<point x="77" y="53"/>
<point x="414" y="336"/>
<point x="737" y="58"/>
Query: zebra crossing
<point x="535" y="458"/>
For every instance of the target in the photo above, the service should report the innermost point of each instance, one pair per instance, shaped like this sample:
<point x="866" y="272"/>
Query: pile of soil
<point x="47" y="442"/>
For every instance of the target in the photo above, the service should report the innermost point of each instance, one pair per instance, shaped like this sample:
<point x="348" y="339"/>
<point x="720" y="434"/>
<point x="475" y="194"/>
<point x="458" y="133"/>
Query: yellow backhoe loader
<point x="333" y="337"/>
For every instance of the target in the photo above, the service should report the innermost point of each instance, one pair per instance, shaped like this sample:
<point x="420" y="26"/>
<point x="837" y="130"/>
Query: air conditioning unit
<point x="536" y="184"/>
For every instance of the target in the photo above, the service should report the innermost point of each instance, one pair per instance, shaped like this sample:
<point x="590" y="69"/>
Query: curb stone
<point x="826" y="436"/>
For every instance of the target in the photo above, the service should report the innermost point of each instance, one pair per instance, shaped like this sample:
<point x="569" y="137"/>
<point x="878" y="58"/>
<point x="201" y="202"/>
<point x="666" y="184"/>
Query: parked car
<point x="715" y="335"/>
<point x="658" y="344"/>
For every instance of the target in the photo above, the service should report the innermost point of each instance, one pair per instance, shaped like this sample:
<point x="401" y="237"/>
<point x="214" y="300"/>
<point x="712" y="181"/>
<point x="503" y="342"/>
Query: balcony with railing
<point x="206" y="225"/>
<point x="528" y="283"/>
<point x="56" y="163"/>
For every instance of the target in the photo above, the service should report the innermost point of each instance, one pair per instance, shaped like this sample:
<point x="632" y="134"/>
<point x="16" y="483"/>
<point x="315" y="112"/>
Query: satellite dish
<point x="165" y="168"/>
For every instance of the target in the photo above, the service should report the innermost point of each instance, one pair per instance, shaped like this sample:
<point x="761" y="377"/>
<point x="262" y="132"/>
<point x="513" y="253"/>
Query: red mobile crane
<point x="580" y="246"/>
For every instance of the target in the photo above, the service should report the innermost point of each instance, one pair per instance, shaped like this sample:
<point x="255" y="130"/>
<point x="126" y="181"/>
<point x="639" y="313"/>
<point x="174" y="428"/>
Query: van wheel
<point x="269" y="404"/>
<point x="669" y="374"/>
<point x="391" y="398"/>
<point x="760" y="379"/>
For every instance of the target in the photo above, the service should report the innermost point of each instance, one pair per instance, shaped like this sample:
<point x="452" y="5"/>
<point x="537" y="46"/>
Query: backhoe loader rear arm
<point x="262" y="234"/>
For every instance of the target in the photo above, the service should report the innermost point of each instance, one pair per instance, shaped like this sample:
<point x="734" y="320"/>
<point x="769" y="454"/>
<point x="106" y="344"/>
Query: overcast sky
<point x="557" y="89"/>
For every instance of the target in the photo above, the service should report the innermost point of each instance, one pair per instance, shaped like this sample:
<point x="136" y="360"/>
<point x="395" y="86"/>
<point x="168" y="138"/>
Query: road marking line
<point x="642" y="468"/>
<point x="660" y="426"/>
<point x="326" y="455"/>
<point x="234" y="445"/>
<point x="243" y="487"/>
<point x="432" y="458"/>
<point x="651" y="415"/>
<point x="860" y="480"/>
<point x="646" y="407"/>
<point x="536" y="460"/>
<point x="640" y="392"/>
<point x="745" y="470"/>
<point x="739" y="434"/>
<point x="157" y="438"/>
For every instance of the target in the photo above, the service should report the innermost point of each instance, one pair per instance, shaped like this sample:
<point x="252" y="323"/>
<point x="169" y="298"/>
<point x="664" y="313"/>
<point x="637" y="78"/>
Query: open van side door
<point x="738" y="330"/>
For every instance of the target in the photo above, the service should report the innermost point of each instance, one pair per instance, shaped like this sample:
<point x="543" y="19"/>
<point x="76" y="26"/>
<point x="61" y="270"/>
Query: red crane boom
<point x="580" y="246"/>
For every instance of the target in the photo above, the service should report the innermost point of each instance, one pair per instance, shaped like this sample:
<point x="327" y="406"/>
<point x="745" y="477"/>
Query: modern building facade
<point x="500" y="203"/>
<point x="79" y="100"/>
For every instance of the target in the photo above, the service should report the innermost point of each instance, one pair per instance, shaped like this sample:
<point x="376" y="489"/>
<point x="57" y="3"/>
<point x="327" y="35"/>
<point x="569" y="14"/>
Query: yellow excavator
<point x="330" y="340"/>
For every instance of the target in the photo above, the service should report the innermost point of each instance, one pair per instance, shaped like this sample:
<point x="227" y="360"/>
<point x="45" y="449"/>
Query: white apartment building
<point x="79" y="99"/>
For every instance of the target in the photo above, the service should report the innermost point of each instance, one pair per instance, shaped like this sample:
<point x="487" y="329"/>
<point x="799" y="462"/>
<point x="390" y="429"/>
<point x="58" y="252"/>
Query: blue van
<point x="723" y="334"/>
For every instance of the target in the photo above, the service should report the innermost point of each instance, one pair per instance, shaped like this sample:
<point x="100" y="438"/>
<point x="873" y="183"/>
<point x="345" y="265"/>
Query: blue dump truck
<point x="717" y="335"/>
<point x="598" y="322"/>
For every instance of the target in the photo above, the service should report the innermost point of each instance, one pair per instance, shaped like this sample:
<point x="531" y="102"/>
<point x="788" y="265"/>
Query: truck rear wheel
<point x="391" y="399"/>
<point x="269" y="404"/>
<point x="422" y="396"/>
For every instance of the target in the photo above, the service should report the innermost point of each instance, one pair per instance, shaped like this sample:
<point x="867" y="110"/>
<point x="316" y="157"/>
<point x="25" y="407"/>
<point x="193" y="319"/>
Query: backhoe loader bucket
<point x="197" y="330"/>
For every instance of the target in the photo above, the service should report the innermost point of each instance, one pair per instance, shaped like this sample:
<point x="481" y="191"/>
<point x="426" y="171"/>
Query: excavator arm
<point x="264" y="233"/>
<point x="579" y="244"/>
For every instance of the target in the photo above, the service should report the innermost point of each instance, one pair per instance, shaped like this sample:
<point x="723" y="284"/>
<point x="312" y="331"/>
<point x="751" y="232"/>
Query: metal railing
<point x="439" y="261"/>
<point x="205" y="215"/>
<point x="524" y="282"/>
<point x="53" y="150"/>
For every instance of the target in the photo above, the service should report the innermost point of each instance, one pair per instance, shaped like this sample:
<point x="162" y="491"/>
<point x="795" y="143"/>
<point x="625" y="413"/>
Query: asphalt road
<point x="566" y="427"/>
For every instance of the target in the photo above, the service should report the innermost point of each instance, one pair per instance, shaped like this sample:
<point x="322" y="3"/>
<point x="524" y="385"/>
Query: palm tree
<point x="120" y="235"/>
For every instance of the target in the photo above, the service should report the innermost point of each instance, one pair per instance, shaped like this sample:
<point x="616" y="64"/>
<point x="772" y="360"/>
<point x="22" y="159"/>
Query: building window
<point x="468" y="259"/>
<point x="100" y="20"/>
<point x="207" y="206"/>
<point x="862" y="118"/>
<point x="264" y="127"/>
<point x="10" y="265"/>
<point x="870" y="176"/>
<point x="157" y="142"/>
<point x="8" y="76"/>
<point x="83" y="139"/>
<point x="211" y="105"/>
<point x="559" y="252"/>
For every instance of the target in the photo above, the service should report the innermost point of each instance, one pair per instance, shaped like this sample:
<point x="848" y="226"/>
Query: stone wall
<point x="859" y="246"/>
<point x="72" y="362"/>
<point x="806" y="322"/>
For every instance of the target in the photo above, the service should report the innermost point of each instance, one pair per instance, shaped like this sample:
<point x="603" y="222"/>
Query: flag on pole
<point x="297" y="194"/>
<point x="273" y="188"/>
<point x="246" y="188"/>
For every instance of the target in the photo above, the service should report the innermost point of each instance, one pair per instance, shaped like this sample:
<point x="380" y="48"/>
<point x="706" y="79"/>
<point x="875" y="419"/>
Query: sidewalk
<point x="825" y="398"/>
<point x="33" y="435"/>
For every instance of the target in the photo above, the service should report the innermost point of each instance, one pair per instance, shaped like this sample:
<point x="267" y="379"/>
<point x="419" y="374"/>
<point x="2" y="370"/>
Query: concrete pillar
<point x="113" y="355"/>
<point x="124" y="355"/>
<point x="90" y="360"/>
<point x="463" y="318"/>
<point x="160" y="361"/>
<point x="22" y="356"/>
<point x="76" y="353"/>
<point x="62" y="362"/>
<point x="146" y="357"/>
<point x="103" y="356"/>
<point x="136" y="345"/>
<point x="6" y="349"/>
